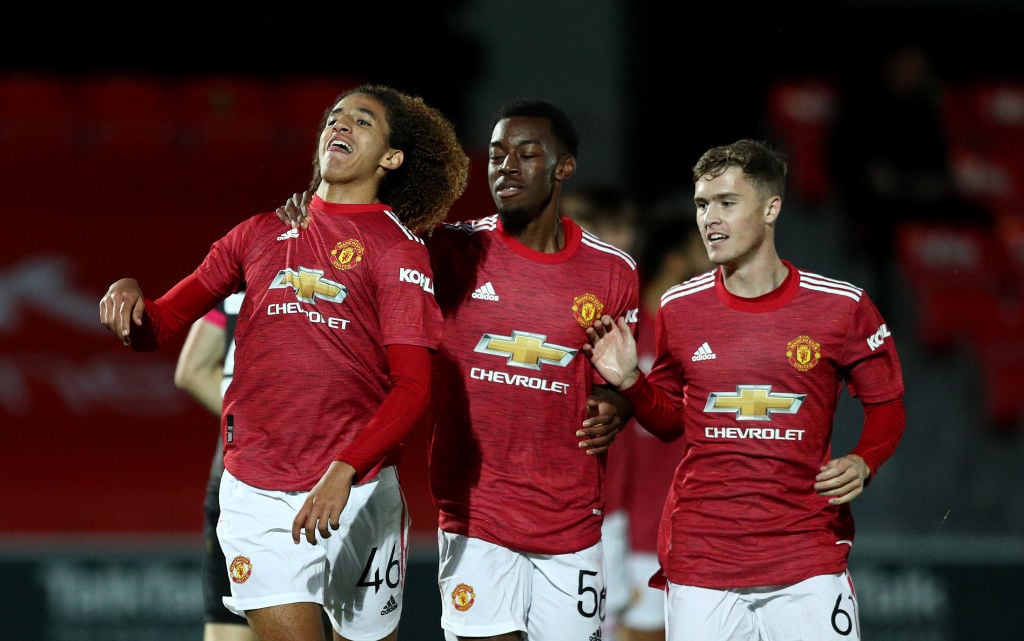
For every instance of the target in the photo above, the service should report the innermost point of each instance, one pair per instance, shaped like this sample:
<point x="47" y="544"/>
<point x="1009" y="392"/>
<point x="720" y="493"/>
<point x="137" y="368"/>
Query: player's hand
<point x="322" y="509"/>
<point x="122" y="306"/>
<point x="612" y="350"/>
<point x="607" y="414"/>
<point x="295" y="211"/>
<point x="842" y="479"/>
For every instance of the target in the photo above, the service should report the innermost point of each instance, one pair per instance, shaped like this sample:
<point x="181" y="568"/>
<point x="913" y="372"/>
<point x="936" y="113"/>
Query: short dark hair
<point x="561" y="125"/>
<point x="763" y="164"/>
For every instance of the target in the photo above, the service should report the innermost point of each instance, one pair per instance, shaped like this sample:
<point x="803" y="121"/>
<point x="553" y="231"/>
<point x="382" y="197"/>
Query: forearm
<point x="200" y="367"/>
<point x="884" y="424"/>
<point x="204" y="387"/>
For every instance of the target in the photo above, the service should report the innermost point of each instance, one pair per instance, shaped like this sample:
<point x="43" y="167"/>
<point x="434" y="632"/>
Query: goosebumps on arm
<point x="654" y="410"/>
<point x="171" y="313"/>
<point x="398" y="414"/>
<point x="883" y="428"/>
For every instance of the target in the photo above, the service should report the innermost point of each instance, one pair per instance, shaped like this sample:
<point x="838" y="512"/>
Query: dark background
<point x="695" y="75"/>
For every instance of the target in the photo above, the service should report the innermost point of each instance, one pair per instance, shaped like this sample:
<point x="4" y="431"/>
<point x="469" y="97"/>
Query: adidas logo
<point x="390" y="606"/>
<point x="291" y="233"/>
<point x="485" y="292"/>
<point x="703" y="353"/>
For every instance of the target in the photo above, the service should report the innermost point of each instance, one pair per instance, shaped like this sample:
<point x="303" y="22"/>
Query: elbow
<point x="184" y="380"/>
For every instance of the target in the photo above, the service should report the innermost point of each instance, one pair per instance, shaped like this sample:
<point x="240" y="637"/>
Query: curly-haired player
<point x="332" y="369"/>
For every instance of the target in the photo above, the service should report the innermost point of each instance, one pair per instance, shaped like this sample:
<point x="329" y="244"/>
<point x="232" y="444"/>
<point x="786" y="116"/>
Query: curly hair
<point x="765" y="166"/>
<point x="435" y="170"/>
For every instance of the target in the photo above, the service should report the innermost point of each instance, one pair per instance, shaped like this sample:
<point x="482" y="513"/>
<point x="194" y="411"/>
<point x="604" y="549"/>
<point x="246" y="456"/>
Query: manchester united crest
<point x="463" y="597"/>
<point x="240" y="569"/>
<point x="803" y="352"/>
<point x="587" y="308"/>
<point x="347" y="254"/>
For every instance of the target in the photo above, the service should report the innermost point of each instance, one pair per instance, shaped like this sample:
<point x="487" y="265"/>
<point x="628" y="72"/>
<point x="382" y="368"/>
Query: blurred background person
<point x="204" y="370"/>
<point x="889" y="159"/>
<point x="605" y="211"/>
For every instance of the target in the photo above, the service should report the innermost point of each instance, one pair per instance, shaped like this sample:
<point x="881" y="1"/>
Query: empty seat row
<point x="966" y="286"/>
<point x="984" y="123"/>
<point x="133" y="114"/>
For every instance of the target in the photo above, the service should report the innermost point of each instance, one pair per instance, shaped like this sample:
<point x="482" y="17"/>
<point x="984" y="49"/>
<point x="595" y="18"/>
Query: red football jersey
<point x="321" y="304"/>
<point x="761" y="380"/>
<point x="511" y="383"/>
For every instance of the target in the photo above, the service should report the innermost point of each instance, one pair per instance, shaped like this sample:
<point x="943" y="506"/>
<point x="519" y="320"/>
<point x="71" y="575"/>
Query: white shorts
<point x="487" y="590"/>
<point x="646" y="610"/>
<point x="357" y="574"/>
<point x="823" y="608"/>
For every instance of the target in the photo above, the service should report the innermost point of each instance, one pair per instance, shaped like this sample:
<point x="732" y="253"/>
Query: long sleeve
<point x="168" y="315"/>
<point x="404" y="405"/>
<point x="654" y="409"/>
<point x="884" y="424"/>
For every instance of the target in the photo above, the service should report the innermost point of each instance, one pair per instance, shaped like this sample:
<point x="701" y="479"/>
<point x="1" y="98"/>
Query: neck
<point x="542" y="234"/>
<point x="348" y="193"/>
<point x="751" y="280"/>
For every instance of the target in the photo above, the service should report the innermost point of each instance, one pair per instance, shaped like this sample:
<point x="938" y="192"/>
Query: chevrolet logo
<point x="524" y="349"/>
<point x="310" y="284"/>
<point x="754" y="402"/>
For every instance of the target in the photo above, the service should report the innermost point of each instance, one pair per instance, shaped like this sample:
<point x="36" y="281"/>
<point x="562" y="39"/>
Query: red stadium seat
<point x="985" y="114"/>
<point x="998" y="353"/>
<point x="985" y="126"/>
<point x="1000" y="111"/>
<point x="957" y="279"/>
<point x="800" y="113"/>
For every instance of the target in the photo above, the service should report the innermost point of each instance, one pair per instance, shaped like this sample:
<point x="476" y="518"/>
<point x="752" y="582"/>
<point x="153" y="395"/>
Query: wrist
<point x="346" y="470"/>
<point x="629" y="380"/>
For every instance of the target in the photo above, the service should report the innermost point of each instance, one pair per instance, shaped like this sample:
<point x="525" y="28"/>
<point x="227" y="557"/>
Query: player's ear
<point x="566" y="167"/>
<point x="393" y="159"/>
<point x="772" y="209"/>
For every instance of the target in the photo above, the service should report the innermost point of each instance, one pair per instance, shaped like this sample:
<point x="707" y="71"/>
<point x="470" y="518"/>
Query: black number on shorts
<point x="394" y="570"/>
<point x="591" y="601"/>
<point x="842" y="621"/>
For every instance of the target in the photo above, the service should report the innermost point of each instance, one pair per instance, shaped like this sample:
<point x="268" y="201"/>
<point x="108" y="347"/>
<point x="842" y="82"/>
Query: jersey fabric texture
<point x="511" y="383"/>
<point x="321" y="304"/>
<point x="762" y="378"/>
